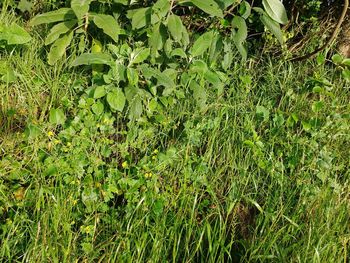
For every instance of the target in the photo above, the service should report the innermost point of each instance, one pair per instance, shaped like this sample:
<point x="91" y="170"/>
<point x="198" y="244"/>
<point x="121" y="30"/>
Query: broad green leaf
<point x="100" y="91"/>
<point x="245" y="9"/>
<point x="80" y="7"/>
<point x="159" y="10"/>
<point x="202" y="44"/>
<point x="175" y="27"/>
<point x="58" y="30"/>
<point x="25" y="5"/>
<point x="139" y="55"/>
<point x="32" y="131"/>
<point x="108" y="24"/>
<point x="135" y="110"/>
<point x="116" y="99"/>
<point x="275" y="9"/>
<point x="57" y="117"/>
<point x="199" y="94"/>
<point x="97" y="108"/>
<point x="140" y="17"/>
<point x="179" y="52"/>
<point x="156" y="39"/>
<point x="92" y="58"/>
<point x="273" y="26"/>
<point x="58" y="48"/>
<point x="240" y="35"/>
<point x="208" y="6"/>
<point x="54" y="16"/>
<point x="15" y="35"/>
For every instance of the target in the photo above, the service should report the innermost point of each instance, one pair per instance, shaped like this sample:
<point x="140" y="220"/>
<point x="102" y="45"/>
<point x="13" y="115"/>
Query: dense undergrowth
<point x="255" y="169"/>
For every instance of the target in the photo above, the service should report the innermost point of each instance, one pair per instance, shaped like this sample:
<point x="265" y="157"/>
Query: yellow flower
<point x="50" y="134"/>
<point x="57" y="142"/>
<point x="148" y="175"/>
<point x="125" y="164"/>
<point x="155" y="151"/>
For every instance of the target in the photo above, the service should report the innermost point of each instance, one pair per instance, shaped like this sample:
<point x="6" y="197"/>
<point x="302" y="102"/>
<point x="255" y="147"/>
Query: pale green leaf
<point x="273" y="26"/>
<point x="108" y="24"/>
<point x="92" y="58"/>
<point x="175" y="27"/>
<point x="58" y="30"/>
<point x="202" y="44"/>
<point x="116" y="99"/>
<point x="58" y="48"/>
<point x="139" y="55"/>
<point x="54" y="16"/>
<point x="15" y="35"/>
<point x="140" y="17"/>
<point x="57" y="117"/>
<point x="275" y="9"/>
<point x="80" y="7"/>
<point x="100" y="91"/>
<point x="208" y="6"/>
<point x="135" y="110"/>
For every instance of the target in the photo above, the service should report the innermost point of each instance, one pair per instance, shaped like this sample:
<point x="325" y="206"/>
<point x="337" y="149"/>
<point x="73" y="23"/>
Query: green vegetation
<point x="168" y="140"/>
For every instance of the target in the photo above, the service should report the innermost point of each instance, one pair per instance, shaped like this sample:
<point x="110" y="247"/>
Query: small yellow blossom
<point x="125" y="164"/>
<point x="155" y="151"/>
<point x="148" y="175"/>
<point x="57" y="142"/>
<point x="50" y="134"/>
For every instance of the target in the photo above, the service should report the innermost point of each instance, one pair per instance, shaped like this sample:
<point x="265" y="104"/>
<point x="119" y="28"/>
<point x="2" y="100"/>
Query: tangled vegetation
<point x="172" y="131"/>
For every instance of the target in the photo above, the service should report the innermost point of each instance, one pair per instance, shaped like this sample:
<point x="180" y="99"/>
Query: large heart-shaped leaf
<point x="57" y="117"/>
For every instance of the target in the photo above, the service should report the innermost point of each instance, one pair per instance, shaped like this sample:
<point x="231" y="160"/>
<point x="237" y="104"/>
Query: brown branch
<point x="331" y="39"/>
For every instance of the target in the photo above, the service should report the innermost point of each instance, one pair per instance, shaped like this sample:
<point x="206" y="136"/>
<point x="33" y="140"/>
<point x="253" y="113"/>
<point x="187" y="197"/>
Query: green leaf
<point x="58" y="48"/>
<point x="92" y="58"/>
<point x="240" y="35"/>
<point x="140" y="17"/>
<point x="25" y="5"/>
<point x="135" y="108"/>
<point x="176" y="28"/>
<point x="57" y="117"/>
<point x="32" y="131"/>
<point x="208" y="6"/>
<point x="80" y="7"/>
<point x="199" y="94"/>
<point x="54" y="16"/>
<point x="139" y="55"/>
<point x="273" y="26"/>
<point x="100" y="91"/>
<point x="97" y="108"/>
<point x="202" y="44"/>
<point x="58" y="30"/>
<point x="275" y="9"/>
<point x="116" y="99"/>
<point x="159" y="10"/>
<point x="15" y="35"/>
<point x="108" y="24"/>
